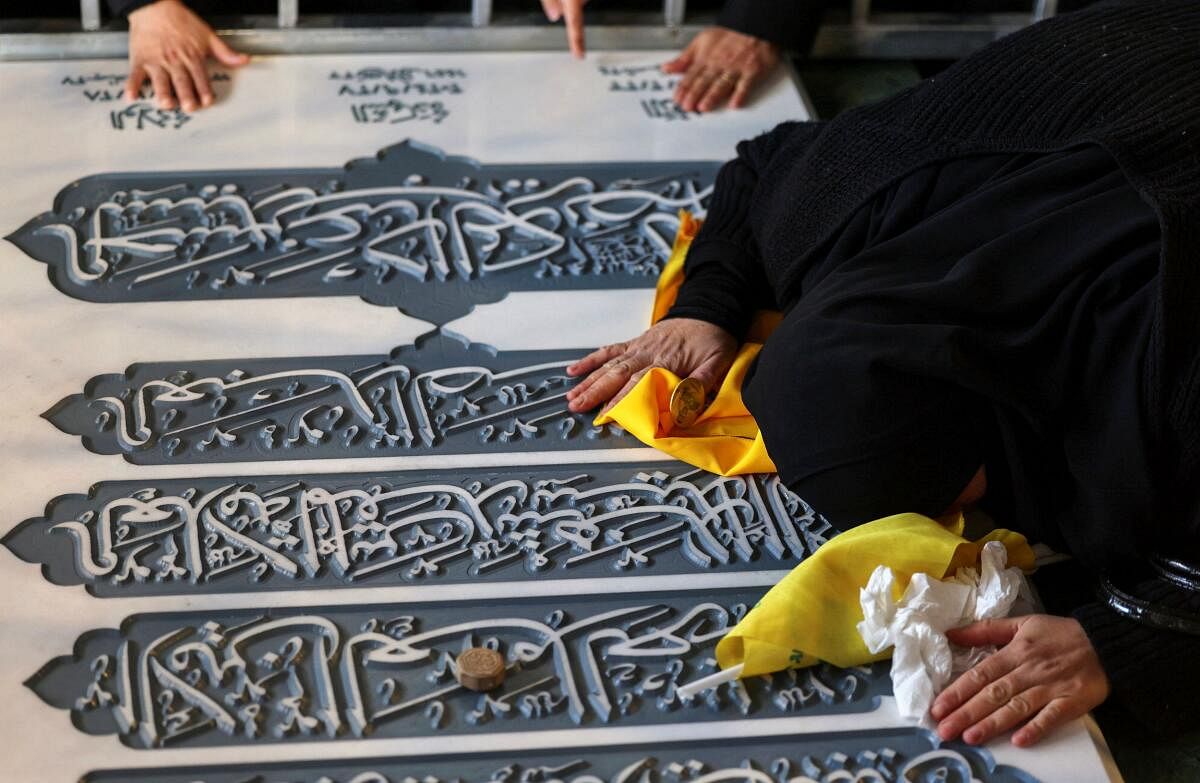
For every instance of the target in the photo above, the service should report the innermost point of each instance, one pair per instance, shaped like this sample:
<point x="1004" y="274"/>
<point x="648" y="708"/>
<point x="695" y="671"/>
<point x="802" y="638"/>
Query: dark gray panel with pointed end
<point x="908" y="755"/>
<point x="468" y="525"/>
<point x="441" y="395"/>
<point x="327" y="673"/>
<point x="413" y="228"/>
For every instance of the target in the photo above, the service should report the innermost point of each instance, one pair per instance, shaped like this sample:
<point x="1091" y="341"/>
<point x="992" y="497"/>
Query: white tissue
<point x="923" y="661"/>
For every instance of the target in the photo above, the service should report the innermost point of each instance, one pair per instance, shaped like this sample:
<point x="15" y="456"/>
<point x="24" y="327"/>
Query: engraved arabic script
<point x="330" y="531"/>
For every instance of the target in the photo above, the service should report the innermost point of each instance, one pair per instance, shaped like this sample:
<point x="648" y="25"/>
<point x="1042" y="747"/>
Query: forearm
<point x="724" y="278"/>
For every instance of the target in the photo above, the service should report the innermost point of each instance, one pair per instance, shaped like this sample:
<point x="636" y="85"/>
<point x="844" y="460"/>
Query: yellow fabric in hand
<point x="725" y="439"/>
<point x="811" y="615"/>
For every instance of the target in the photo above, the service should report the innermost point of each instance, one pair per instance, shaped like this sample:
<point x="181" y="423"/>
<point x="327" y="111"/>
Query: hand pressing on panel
<point x="571" y="12"/>
<point x="685" y="346"/>
<point x="170" y="45"/>
<point x="1046" y="674"/>
<point x="721" y="65"/>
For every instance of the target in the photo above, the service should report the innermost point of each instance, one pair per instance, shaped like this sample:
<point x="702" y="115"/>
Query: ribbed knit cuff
<point x="727" y="216"/>
<point x="126" y="7"/>
<point x="710" y="293"/>
<point x="1154" y="674"/>
<point x="788" y="25"/>
<point x="723" y="278"/>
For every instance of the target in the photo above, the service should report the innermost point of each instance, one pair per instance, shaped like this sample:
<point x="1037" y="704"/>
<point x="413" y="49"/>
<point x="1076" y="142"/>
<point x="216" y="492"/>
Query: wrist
<point x="140" y="9"/>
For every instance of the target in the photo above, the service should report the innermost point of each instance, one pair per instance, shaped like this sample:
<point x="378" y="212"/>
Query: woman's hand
<point x="721" y="64"/>
<point x="1046" y="674"/>
<point x="571" y="12"/>
<point x="685" y="346"/>
<point x="170" y="45"/>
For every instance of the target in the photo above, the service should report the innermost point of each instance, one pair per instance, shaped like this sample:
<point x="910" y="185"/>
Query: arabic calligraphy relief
<point x="439" y="396"/>
<point x="285" y="532"/>
<point x="908" y="755"/>
<point x="431" y="234"/>
<point x="230" y="678"/>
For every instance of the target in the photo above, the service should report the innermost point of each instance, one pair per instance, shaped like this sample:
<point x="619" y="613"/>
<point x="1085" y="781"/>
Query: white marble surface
<point x="286" y="112"/>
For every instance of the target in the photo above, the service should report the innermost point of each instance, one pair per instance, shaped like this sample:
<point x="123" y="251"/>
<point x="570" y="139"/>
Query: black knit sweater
<point x="1125" y="76"/>
<point x="790" y="24"/>
<point x="126" y="7"/>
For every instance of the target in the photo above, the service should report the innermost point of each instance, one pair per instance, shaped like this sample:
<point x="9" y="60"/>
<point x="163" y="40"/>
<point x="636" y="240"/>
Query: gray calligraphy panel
<point x="241" y="678"/>
<point x="441" y="395"/>
<point x="414" y="228"/>
<point x="910" y="755"/>
<point x="229" y="534"/>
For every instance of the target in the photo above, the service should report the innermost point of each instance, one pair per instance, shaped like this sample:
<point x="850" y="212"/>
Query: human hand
<point x="718" y="64"/>
<point x="1046" y="674"/>
<point x="685" y="346"/>
<point x="170" y="44"/>
<point x="571" y="12"/>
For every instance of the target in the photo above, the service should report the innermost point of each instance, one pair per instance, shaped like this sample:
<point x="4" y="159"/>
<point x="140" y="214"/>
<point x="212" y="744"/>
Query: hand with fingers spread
<point x="1046" y="674"/>
<point x="721" y="65"/>
<point x="685" y="346"/>
<point x="170" y="45"/>
<point x="571" y="12"/>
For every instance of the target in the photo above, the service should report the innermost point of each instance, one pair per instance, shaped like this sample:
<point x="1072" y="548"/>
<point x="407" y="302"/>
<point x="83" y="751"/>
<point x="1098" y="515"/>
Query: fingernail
<point x="555" y="16"/>
<point x="936" y="712"/>
<point x="971" y="736"/>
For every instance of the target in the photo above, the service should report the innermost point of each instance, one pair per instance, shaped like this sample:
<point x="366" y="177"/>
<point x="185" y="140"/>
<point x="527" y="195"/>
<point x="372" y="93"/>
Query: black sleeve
<point x="724" y="282"/>
<point x="1152" y="672"/>
<point x="790" y="24"/>
<point x="126" y="7"/>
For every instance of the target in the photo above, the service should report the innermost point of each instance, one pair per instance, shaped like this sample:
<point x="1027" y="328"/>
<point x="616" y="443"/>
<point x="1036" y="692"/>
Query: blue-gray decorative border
<point x="230" y="534"/>
<point x="441" y="395"/>
<point x="413" y="228"/>
<point x="903" y="755"/>
<point x="347" y="672"/>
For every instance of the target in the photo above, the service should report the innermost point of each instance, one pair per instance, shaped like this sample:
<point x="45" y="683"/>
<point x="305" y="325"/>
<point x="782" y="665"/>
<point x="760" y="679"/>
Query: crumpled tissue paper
<point x="924" y="662"/>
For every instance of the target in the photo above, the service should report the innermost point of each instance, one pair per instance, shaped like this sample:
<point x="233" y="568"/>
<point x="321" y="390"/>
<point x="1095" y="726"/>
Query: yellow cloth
<point x="725" y="439"/>
<point x="811" y="615"/>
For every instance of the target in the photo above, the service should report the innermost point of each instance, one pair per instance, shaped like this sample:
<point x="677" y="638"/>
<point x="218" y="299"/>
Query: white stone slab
<point x="60" y="124"/>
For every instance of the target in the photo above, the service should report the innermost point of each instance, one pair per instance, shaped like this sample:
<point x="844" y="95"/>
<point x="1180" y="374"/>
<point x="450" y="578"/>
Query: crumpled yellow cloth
<point x="811" y="615"/>
<point x="725" y="439"/>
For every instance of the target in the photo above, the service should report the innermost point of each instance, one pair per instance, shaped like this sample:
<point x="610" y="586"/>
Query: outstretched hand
<point x="685" y="346"/>
<point x="571" y="12"/>
<point x="1046" y="674"/>
<point x="170" y="45"/>
<point x="719" y="65"/>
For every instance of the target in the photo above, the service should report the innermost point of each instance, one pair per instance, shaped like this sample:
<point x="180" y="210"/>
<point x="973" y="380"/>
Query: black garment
<point x="989" y="310"/>
<point x="1123" y="75"/>
<point x="126" y="7"/>
<point x="790" y="24"/>
<point x="968" y="271"/>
